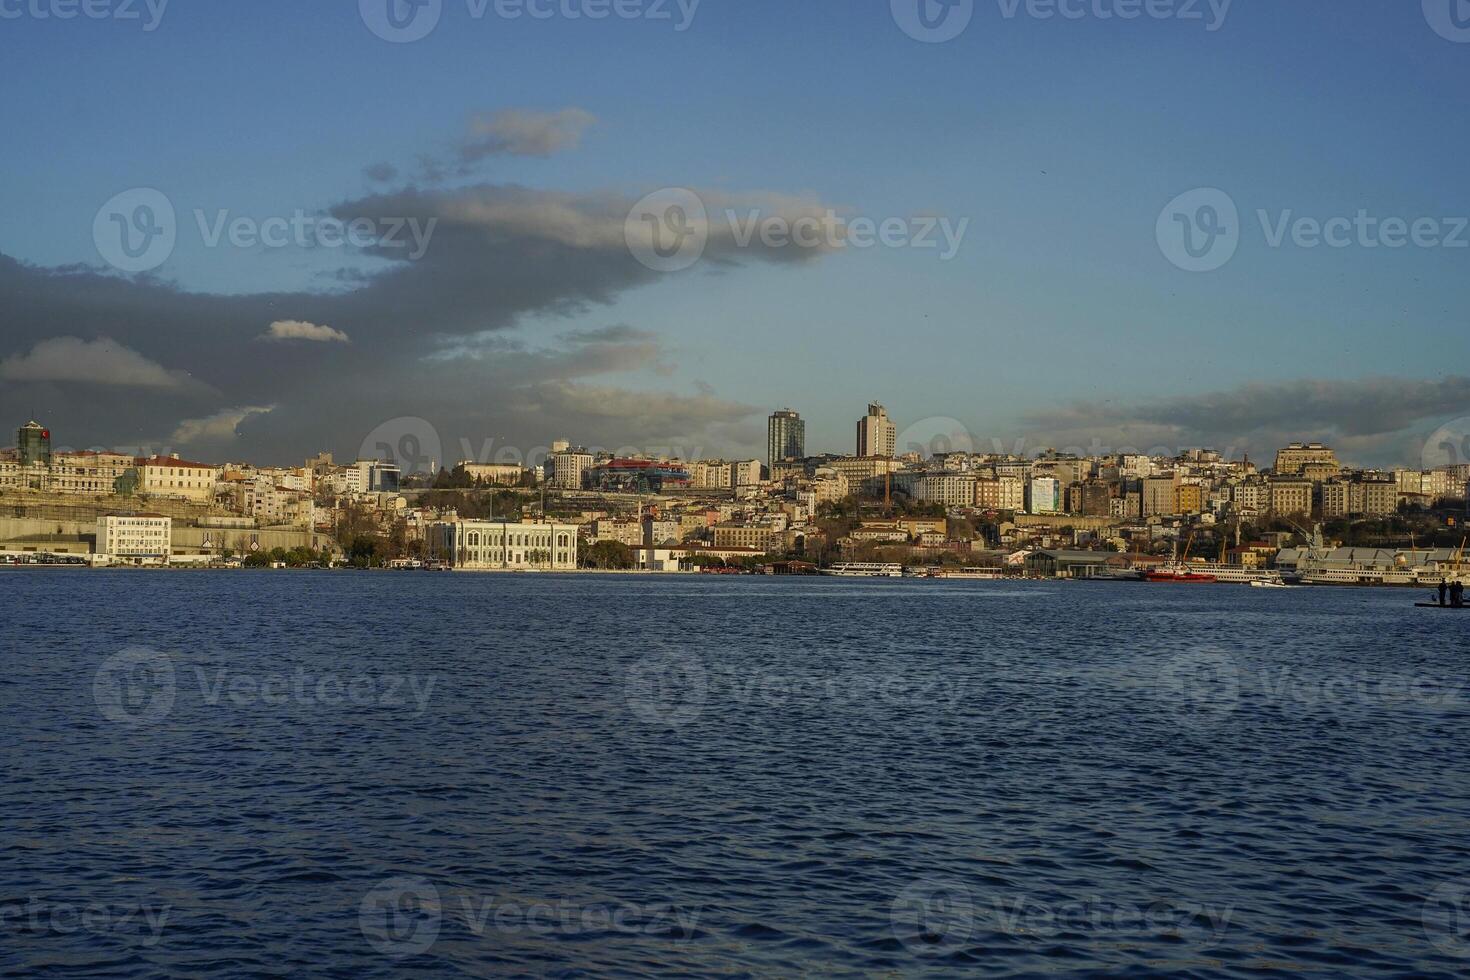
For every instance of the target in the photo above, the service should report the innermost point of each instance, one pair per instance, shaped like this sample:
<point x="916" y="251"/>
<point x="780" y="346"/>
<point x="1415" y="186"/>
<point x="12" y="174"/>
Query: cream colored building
<point x="1161" y="495"/>
<point x="757" y="536"/>
<point x="490" y="545"/>
<point x="876" y="433"/>
<point x="176" y="479"/>
<point x="709" y="474"/>
<point x="745" y="473"/>
<point x="1291" y="497"/>
<point x="1294" y="459"/>
<point x="565" y="469"/>
<point x="139" y="539"/>
<point x="948" y="489"/>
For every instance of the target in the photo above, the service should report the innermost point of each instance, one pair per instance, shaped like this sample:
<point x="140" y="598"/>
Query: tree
<point x="127" y="484"/>
<point x="608" y="555"/>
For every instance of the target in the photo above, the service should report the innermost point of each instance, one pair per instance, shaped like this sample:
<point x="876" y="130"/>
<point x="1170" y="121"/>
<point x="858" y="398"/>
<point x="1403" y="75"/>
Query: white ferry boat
<point x="1234" y="574"/>
<point x="865" y="569"/>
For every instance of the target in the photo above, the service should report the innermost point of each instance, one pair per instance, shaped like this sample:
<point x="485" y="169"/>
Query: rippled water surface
<point x="235" y="774"/>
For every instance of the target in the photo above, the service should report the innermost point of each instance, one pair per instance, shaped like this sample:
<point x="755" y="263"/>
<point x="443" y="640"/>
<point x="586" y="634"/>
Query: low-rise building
<point x="492" y="545"/>
<point x="138" y="539"/>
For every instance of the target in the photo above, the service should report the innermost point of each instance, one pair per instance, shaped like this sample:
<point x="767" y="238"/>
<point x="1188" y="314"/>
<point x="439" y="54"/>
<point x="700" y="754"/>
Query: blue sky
<point x="1058" y="140"/>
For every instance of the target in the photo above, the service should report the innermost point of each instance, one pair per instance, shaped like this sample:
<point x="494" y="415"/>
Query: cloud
<point x="223" y="426"/>
<point x="96" y="362"/>
<point x="1372" y="420"/>
<point x="524" y="133"/>
<point x="381" y="173"/>
<point x="301" y="330"/>
<point x="451" y="337"/>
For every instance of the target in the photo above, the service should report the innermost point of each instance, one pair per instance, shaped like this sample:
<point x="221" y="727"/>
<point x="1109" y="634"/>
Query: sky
<point x="1101" y="231"/>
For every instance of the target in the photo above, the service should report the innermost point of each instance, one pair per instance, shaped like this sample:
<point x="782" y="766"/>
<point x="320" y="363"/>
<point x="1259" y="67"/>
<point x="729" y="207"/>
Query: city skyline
<point x="500" y="297"/>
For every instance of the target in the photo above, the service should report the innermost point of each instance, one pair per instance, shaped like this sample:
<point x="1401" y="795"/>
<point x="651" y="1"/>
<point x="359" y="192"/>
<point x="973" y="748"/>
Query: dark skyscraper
<point x="785" y="437"/>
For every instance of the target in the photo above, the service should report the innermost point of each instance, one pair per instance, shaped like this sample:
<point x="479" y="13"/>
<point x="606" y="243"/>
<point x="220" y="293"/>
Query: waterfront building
<point x="785" y="437"/>
<point x="513" y="545"/>
<point x="876" y="433"/>
<point x="138" y="539"/>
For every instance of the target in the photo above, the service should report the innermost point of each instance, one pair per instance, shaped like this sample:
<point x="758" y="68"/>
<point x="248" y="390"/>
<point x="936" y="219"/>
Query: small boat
<point x="1271" y="583"/>
<point x="1178" y="570"/>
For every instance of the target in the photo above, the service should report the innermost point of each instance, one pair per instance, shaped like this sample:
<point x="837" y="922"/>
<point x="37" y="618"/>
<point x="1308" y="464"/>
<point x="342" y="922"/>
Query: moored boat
<point x="865" y="569"/>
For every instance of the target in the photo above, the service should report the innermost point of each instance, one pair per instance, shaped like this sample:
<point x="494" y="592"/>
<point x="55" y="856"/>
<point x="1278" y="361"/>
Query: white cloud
<point x="525" y="133"/>
<point x="302" y="330"/>
<point x="219" y="427"/>
<point x="99" y="361"/>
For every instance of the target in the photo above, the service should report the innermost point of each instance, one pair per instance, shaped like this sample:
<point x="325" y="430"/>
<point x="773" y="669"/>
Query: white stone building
<point x="138" y="539"/>
<point x="489" y="545"/>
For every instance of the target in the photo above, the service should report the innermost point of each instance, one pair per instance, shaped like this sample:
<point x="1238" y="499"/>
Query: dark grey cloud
<point x="381" y="173"/>
<point x="1375" y="421"/>
<point x="431" y="338"/>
